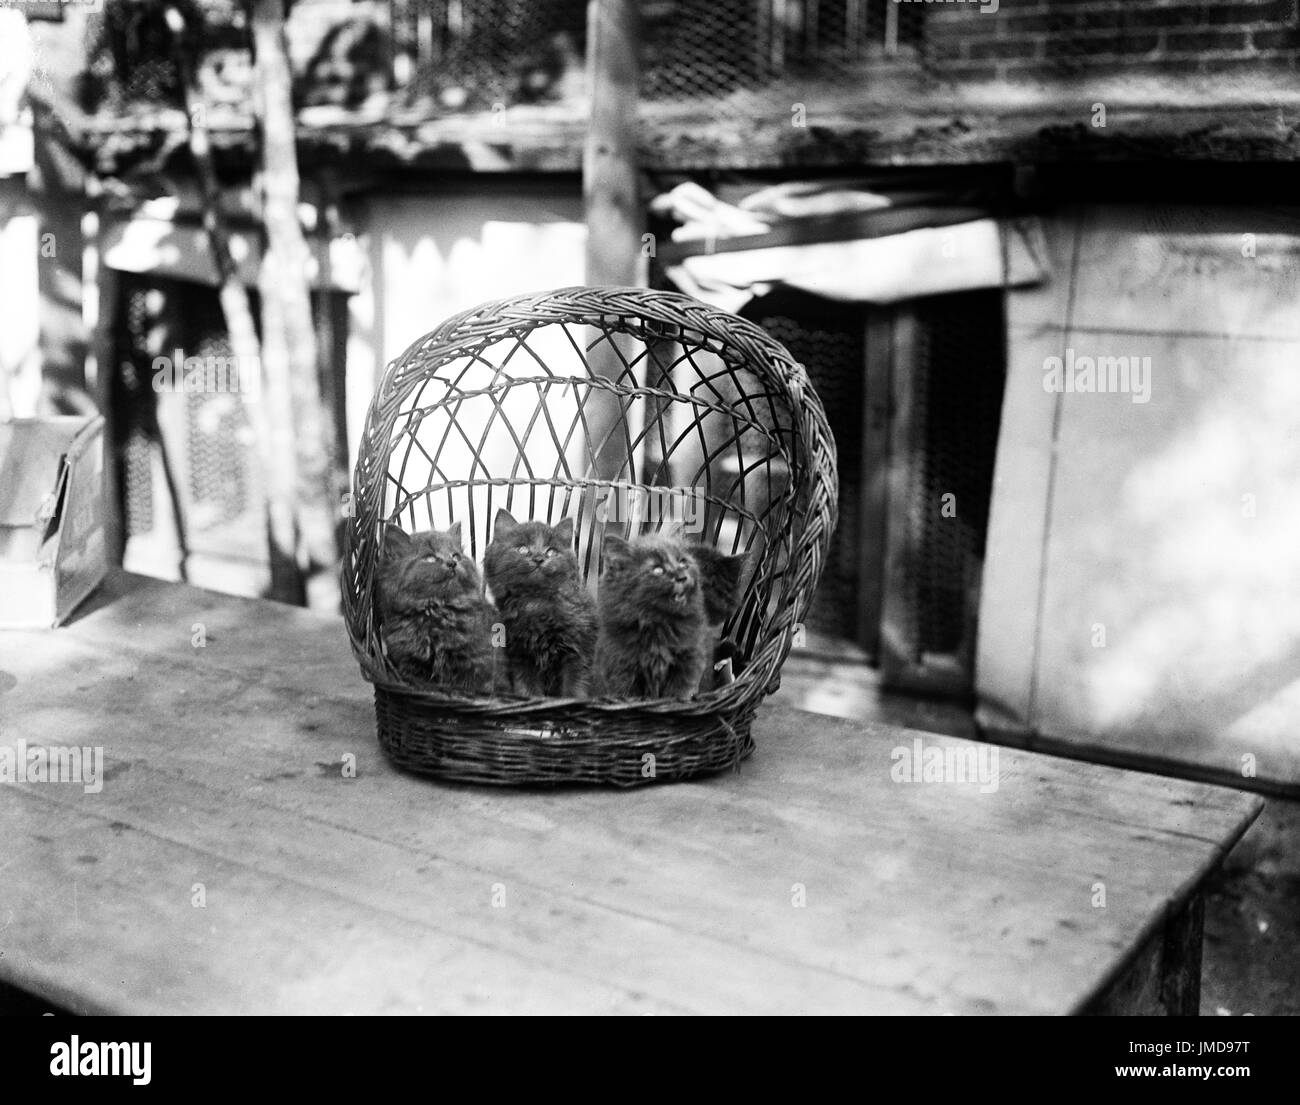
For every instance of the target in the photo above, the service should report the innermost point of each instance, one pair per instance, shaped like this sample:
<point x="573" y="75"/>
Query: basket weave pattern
<point x="623" y="408"/>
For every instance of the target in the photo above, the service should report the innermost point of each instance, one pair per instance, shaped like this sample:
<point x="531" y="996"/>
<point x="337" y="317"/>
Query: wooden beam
<point x="270" y="419"/>
<point x="848" y="128"/>
<point x="614" y="212"/>
<point x="610" y="186"/>
<point x="877" y="403"/>
<point x="288" y="329"/>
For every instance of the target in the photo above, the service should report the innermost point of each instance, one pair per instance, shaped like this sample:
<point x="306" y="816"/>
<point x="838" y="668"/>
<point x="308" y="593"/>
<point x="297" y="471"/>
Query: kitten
<point x="436" y="624"/>
<point x="549" y="618"/>
<point x="658" y="596"/>
<point x="720" y="579"/>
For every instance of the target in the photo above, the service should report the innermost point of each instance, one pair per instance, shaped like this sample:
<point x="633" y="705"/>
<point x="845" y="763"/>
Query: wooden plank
<point x="289" y="356"/>
<point x="876" y="122"/>
<point x="898" y="644"/>
<point x="374" y="893"/>
<point x="260" y="942"/>
<point x="615" y="218"/>
<point x="877" y="404"/>
<point x="270" y="413"/>
<point x="103" y="350"/>
<point x="611" y="182"/>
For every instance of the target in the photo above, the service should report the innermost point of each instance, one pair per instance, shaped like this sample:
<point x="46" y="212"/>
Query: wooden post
<point x="610" y="186"/>
<point x="100" y="300"/>
<point x="891" y="30"/>
<point x="288" y="329"/>
<point x="611" y="198"/>
<point x="20" y="354"/>
<point x="877" y="401"/>
<point x="269" y="415"/>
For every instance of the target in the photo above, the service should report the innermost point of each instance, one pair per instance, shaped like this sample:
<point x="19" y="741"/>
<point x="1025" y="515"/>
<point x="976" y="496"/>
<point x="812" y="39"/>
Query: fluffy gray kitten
<point x="659" y="598"/>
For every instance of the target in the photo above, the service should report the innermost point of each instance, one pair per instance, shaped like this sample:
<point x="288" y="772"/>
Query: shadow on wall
<point x="1191" y="547"/>
<point x="1169" y="612"/>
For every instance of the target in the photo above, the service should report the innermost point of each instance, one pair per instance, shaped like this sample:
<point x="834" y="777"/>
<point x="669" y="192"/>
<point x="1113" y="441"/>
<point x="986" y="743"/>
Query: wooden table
<point x="229" y="865"/>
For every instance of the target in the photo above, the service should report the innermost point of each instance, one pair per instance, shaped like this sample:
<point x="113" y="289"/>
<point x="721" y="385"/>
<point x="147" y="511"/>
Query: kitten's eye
<point x="430" y="559"/>
<point x="657" y="571"/>
<point x="550" y="553"/>
<point x="521" y="549"/>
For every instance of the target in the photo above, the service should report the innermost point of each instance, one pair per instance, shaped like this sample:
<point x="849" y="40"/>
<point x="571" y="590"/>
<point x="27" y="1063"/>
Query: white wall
<point x="1141" y="592"/>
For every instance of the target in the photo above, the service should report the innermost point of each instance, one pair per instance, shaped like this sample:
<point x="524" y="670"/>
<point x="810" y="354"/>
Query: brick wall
<point x="1023" y="39"/>
<point x="1030" y="39"/>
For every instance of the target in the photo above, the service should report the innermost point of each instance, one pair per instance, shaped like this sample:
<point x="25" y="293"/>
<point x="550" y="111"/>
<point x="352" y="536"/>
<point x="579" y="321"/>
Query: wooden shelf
<point x="899" y="120"/>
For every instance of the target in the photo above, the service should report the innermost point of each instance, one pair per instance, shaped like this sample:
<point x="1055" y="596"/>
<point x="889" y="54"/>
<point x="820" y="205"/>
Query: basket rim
<point x="505" y="704"/>
<point x="645" y="304"/>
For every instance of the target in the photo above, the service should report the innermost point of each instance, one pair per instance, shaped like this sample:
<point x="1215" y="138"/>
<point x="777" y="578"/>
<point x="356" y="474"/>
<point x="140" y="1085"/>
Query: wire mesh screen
<point x="186" y="460"/>
<point x="135" y="416"/>
<point x="222" y="479"/>
<point x="828" y="339"/>
<point x="753" y="50"/>
<point x="726" y="59"/>
<point x="748" y="55"/>
<point x="472" y="54"/>
<point x="134" y="57"/>
<point x="954" y="375"/>
<point x="137" y="482"/>
<point x="957" y="382"/>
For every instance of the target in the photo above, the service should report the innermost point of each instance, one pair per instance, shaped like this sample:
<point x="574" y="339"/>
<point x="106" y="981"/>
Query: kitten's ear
<point x="564" y="532"/>
<point x="721" y="576"/>
<point x="675" y="530"/>
<point x="453" y="531"/>
<point x="730" y="570"/>
<point x="503" y="523"/>
<point x="614" y="551"/>
<point x="397" y="541"/>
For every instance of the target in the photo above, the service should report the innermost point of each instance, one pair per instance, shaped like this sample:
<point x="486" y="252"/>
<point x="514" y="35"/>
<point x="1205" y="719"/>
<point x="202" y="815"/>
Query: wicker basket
<point x="624" y="409"/>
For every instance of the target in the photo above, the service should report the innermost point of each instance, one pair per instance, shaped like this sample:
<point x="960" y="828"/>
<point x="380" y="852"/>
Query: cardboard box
<point x="52" y="551"/>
